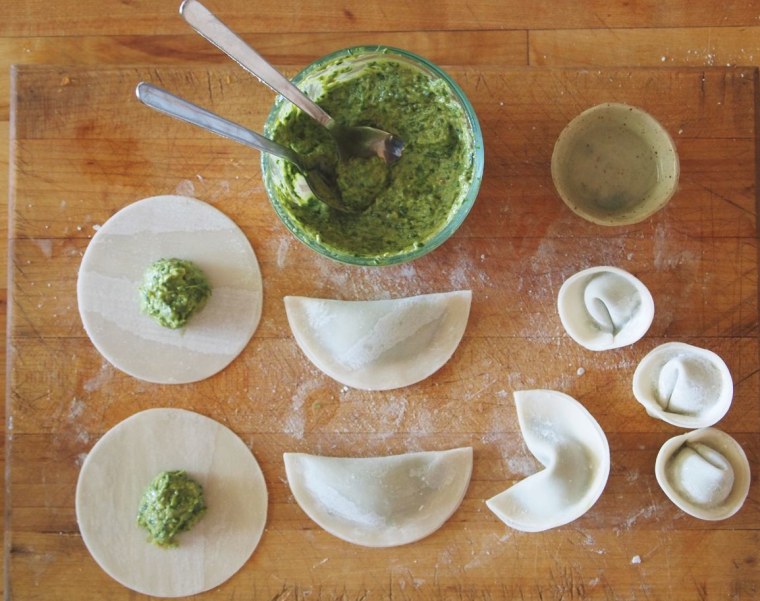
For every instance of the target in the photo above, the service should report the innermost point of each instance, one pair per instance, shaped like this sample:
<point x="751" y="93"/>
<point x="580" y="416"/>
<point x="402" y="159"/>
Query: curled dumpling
<point x="571" y="445"/>
<point x="705" y="473"/>
<point x="379" y="344"/>
<point x="603" y="308"/>
<point x="684" y="385"/>
<point x="380" y="501"/>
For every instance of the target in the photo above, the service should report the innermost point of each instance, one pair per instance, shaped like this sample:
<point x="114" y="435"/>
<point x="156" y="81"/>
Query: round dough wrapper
<point x="119" y="468"/>
<point x="112" y="270"/>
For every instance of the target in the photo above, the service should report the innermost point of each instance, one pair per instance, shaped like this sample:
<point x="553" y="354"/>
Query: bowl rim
<point x="477" y="155"/>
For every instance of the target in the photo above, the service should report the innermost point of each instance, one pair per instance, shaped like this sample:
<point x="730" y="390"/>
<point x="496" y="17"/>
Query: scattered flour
<point x="392" y="412"/>
<point x="94" y="383"/>
<point x="643" y="513"/>
<point x="282" y="251"/>
<point x="295" y="421"/>
<point x="77" y="408"/>
<point x="45" y="245"/>
<point x="185" y="188"/>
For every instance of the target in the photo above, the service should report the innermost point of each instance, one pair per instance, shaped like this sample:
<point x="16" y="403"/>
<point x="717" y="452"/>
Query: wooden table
<point x="82" y="148"/>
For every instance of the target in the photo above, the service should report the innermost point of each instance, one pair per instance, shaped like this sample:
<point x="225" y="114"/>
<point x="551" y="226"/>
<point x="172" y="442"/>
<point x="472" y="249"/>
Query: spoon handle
<point x="166" y="102"/>
<point x="216" y="32"/>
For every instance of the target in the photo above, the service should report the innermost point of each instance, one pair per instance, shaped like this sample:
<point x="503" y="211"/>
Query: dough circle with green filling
<point x="112" y="269"/>
<point x="122" y="464"/>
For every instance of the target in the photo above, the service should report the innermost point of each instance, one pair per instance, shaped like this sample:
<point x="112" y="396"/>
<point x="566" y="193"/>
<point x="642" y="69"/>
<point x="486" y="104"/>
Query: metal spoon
<point x="166" y="102"/>
<point x="359" y="141"/>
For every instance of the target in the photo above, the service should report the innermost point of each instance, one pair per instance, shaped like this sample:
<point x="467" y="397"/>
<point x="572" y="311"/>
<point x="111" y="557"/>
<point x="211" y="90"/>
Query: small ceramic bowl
<point x="337" y="235"/>
<point x="614" y="164"/>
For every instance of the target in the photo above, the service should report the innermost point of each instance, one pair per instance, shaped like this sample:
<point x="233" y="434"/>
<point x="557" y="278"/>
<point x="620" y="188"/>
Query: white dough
<point x="571" y="445"/>
<point x="119" y="468"/>
<point x="380" y="501"/>
<point x="603" y="308"/>
<point x="379" y="344"/>
<point x="684" y="385"/>
<point x="702" y="474"/>
<point x="112" y="270"/>
<point x="705" y="473"/>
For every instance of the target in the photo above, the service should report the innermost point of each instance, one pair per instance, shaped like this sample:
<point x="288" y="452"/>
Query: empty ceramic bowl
<point x="614" y="164"/>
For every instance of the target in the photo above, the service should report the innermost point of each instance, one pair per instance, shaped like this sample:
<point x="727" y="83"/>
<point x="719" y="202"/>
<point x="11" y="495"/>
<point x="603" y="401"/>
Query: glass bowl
<point x="387" y="233"/>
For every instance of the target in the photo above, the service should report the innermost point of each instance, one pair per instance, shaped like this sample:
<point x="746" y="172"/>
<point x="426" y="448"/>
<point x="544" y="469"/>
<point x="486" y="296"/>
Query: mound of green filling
<point x="172" y="503"/>
<point x="172" y="291"/>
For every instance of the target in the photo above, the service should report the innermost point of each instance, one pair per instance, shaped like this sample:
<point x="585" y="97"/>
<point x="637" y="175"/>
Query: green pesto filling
<point x="173" y="290"/>
<point x="172" y="503"/>
<point x="410" y="200"/>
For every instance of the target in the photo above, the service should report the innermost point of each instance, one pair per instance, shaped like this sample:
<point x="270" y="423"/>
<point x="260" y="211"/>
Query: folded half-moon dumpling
<point x="705" y="473"/>
<point x="379" y="344"/>
<point x="380" y="501"/>
<point x="684" y="385"/>
<point x="603" y="308"/>
<point x="571" y="445"/>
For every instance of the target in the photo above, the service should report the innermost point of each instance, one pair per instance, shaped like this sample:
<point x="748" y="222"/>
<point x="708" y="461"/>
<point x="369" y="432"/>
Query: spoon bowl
<point x="165" y="102"/>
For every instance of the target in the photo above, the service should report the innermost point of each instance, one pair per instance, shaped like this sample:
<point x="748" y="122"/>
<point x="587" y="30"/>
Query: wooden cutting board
<point x="83" y="147"/>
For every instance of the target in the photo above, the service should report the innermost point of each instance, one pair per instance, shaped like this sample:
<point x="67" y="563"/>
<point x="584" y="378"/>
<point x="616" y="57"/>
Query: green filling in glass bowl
<point x="415" y="203"/>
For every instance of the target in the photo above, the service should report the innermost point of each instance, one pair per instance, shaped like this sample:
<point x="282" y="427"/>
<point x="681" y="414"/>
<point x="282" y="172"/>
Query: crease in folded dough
<point x="380" y="501"/>
<point x="573" y="449"/>
<point x="603" y="308"/>
<point x="683" y="385"/>
<point x="379" y="344"/>
<point x="705" y="473"/>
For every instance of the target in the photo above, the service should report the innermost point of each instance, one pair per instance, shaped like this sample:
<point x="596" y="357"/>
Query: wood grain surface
<point x="496" y="35"/>
<point x="83" y="147"/>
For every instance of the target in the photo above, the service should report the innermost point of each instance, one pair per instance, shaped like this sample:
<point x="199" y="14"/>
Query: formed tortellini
<point x="684" y="385"/>
<point x="603" y="308"/>
<point x="705" y="473"/>
<point x="380" y="501"/>
<point x="379" y="344"/>
<point x="571" y="445"/>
